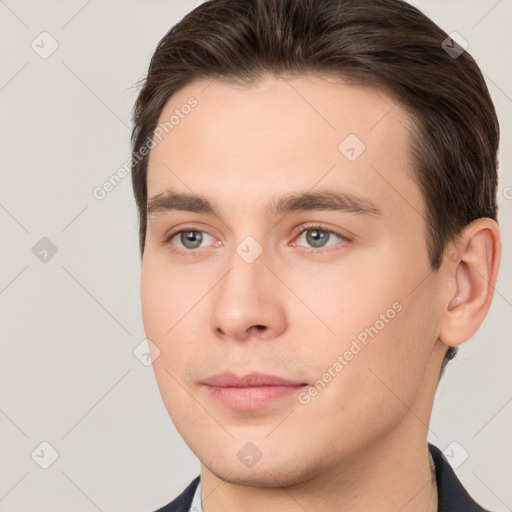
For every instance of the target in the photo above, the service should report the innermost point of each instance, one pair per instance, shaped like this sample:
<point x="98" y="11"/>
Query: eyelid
<point x="321" y="227"/>
<point x="309" y="226"/>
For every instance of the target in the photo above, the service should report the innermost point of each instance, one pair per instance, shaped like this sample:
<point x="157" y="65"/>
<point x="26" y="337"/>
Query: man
<point x="316" y="184"/>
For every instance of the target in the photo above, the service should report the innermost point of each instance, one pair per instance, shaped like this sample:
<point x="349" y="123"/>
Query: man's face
<point x="348" y="318"/>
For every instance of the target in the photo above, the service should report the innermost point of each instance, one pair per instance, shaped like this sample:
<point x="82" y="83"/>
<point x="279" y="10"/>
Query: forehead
<point x="282" y="134"/>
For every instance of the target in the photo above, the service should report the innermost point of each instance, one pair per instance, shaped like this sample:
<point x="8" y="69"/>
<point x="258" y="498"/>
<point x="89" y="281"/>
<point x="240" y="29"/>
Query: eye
<point x="190" y="239"/>
<point x="317" y="236"/>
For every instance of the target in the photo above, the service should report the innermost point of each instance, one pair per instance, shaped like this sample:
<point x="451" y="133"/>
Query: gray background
<point x="69" y="325"/>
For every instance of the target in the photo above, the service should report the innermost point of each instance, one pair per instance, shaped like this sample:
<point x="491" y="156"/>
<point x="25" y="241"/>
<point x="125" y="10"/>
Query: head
<point x="268" y="113"/>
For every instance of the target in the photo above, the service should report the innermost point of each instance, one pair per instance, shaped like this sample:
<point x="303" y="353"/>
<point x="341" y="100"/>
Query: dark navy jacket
<point x="452" y="497"/>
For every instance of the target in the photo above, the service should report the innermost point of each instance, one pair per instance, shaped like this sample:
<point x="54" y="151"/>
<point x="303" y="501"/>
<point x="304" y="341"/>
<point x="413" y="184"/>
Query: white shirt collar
<point x="196" y="505"/>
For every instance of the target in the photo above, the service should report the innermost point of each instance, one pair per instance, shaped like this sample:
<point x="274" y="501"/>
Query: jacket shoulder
<point x="452" y="496"/>
<point x="183" y="501"/>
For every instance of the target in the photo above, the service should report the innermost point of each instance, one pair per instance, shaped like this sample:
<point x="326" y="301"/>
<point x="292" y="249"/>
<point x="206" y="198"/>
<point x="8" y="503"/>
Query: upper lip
<point x="253" y="379"/>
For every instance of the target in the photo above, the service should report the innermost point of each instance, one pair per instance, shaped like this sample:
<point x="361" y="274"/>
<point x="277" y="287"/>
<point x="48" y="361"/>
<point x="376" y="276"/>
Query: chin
<point x="275" y="470"/>
<point x="268" y="477"/>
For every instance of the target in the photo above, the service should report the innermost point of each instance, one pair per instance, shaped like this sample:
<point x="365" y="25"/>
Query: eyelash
<point x="303" y="228"/>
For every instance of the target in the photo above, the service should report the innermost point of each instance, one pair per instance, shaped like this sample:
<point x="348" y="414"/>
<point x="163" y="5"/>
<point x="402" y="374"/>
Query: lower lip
<point x="249" y="398"/>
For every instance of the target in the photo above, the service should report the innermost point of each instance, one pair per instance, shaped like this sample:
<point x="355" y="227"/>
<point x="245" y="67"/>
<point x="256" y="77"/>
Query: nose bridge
<point x="248" y="257"/>
<point x="247" y="296"/>
<point x="243" y="284"/>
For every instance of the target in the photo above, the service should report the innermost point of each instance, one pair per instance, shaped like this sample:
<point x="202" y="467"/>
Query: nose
<point x="249" y="302"/>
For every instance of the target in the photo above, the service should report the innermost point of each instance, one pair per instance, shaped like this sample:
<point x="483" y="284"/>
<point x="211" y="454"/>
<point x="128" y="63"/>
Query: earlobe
<point x="474" y="272"/>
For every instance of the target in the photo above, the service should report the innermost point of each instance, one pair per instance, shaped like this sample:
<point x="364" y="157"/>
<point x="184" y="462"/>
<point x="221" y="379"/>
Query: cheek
<point x="351" y="299"/>
<point x="161" y="311"/>
<point x="165" y="297"/>
<point x="170" y="308"/>
<point x="164" y="317"/>
<point x="379" y="320"/>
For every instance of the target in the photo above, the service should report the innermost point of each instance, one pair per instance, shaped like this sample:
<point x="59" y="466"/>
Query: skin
<point x="362" y="440"/>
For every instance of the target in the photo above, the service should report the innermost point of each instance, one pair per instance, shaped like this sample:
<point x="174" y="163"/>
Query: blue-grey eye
<point x="318" y="238"/>
<point x="191" y="239"/>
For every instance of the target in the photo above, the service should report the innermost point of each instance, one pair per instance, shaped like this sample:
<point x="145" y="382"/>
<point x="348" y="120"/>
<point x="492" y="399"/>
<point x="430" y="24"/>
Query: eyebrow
<point x="322" y="200"/>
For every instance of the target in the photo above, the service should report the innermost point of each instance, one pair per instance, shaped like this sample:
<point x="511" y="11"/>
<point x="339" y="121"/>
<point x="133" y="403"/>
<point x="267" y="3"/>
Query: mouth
<point x="251" y="391"/>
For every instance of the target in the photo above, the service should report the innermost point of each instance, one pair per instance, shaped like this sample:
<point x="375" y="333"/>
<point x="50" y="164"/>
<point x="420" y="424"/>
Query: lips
<point x="251" y="391"/>
<point x="230" y="380"/>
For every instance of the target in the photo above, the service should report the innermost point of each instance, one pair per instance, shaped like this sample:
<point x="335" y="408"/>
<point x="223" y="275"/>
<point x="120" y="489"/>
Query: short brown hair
<point x="384" y="43"/>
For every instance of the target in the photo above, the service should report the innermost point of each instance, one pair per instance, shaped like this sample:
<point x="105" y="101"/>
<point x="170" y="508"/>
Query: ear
<point x="471" y="267"/>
